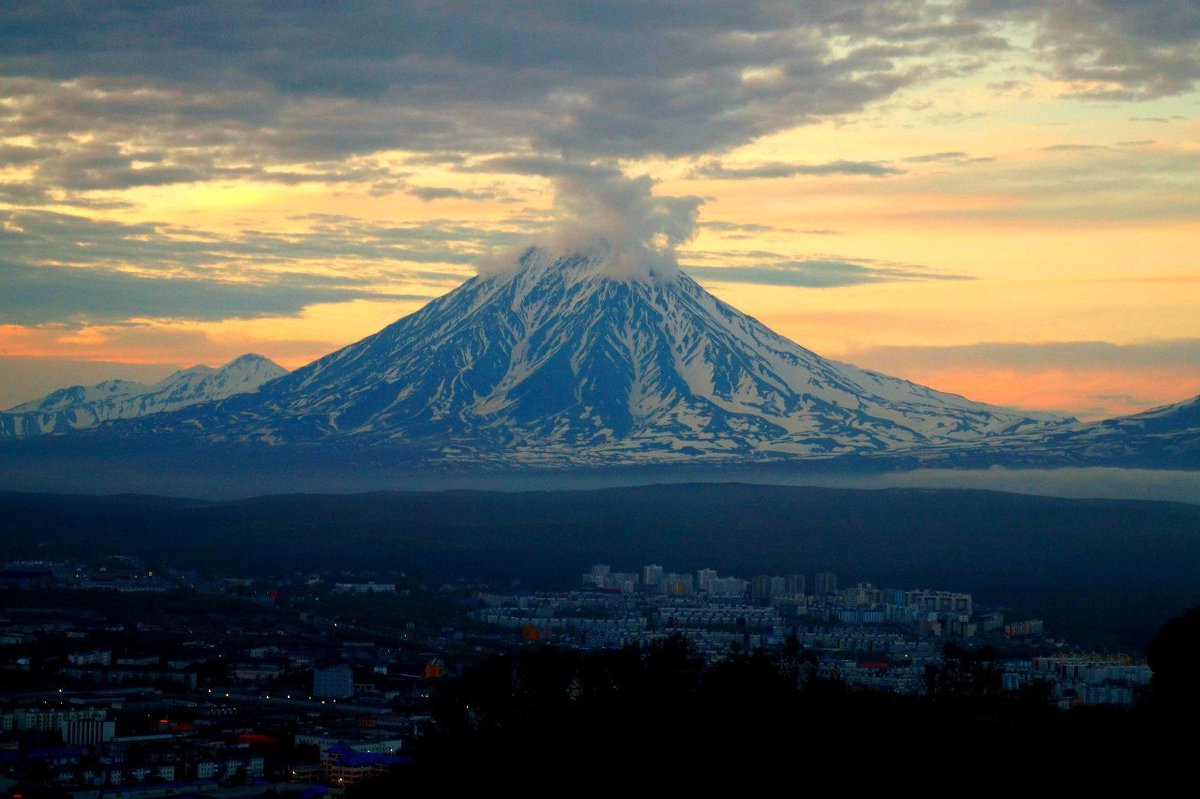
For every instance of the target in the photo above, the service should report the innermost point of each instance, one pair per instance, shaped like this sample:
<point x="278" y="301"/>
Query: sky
<point x="998" y="198"/>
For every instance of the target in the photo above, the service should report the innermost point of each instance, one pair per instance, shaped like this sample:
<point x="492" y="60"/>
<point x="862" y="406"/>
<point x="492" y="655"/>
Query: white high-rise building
<point x="335" y="682"/>
<point x="87" y="732"/>
<point x="825" y="583"/>
<point x="652" y="574"/>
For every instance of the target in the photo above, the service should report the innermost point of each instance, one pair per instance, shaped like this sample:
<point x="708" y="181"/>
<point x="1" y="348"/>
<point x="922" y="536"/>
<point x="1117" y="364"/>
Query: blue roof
<point x="42" y="753"/>
<point x="348" y="756"/>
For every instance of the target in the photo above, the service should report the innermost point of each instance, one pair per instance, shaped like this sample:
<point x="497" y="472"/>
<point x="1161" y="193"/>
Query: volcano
<point x="560" y="361"/>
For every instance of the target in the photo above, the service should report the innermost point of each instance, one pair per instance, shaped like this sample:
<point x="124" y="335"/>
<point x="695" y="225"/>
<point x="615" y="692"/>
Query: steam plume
<point x="630" y="233"/>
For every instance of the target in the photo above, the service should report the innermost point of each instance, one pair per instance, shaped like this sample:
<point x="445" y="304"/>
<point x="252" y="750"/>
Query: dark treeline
<point x="556" y="714"/>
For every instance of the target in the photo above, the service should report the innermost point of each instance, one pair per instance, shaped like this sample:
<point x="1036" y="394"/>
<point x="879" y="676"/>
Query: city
<point x="126" y="680"/>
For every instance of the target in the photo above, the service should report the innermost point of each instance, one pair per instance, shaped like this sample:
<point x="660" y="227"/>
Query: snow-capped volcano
<point x="557" y="360"/>
<point x="80" y="407"/>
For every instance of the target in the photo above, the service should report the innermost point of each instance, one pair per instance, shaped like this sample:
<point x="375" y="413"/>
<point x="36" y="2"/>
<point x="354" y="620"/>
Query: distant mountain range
<point x="558" y="362"/>
<point x="81" y="407"/>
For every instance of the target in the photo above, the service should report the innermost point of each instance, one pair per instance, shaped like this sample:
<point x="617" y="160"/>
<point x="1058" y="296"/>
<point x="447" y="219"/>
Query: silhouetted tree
<point x="966" y="674"/>
<point x="1174" y="654"/>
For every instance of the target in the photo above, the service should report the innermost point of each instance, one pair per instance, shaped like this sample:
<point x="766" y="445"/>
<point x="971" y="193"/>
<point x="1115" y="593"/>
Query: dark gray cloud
<point x="952" y="157"/>
<point x="215" y="87"/>
<point x="430" y="193"/>
<point x="43" y="237"/>
<point x="65" y="268"/>
<point x="1111" y="49"/>
<point x="778" y="169"/>
<point x="751" y="230"/>
<point x="38" y="295"/>
<point x="545" y="166"/>
<point x="18" y="154"/>
<point x="1072" y="148"/>
<point x="955" y="155"/>
<point x="735" y="227"/>
<point x="1008" y="85"/>
<point x="816" y="273"/>
<point x="122" y="94"/>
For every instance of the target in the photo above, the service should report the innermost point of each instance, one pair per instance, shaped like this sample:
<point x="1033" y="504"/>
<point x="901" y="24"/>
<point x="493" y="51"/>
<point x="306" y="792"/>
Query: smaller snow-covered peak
<point x="76" y="395"/>
<point x="116" y="386"/>
<point x="202" y="383"/>
<point x="252" y="359"/>
<point x="198" y="370"/>
<point x="1164" y="411"/>
<point x="1176" y="417"/>
<point x="80" y="407"/>
<point x="242" y="374"/>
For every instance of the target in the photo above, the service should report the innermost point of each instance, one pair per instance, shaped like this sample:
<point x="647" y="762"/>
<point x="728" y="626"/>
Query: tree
<point x="1173" y="655"/>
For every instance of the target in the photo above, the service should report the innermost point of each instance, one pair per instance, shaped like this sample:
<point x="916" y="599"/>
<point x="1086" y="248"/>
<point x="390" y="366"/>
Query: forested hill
<point x="1105" y="568"/>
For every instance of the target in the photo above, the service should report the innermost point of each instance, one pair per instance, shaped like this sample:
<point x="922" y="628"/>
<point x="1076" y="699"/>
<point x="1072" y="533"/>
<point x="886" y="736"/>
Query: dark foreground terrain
<point x="1108" y="572"/>
<point x="550" y="716"/>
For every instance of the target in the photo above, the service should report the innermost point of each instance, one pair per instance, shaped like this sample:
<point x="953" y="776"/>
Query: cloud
<point x="544" y="166"/>
<point x="121" y="96"/>
<point x="59" y="267"/>
<point x="1183" y="354"/>
<point x="1072" y="184"/>
<point x="954" y="157"/>
<point x="629" y="231"/>
<point x="816" y="273"/>
<point x="430" y="193"/>
<point x="216" y="90"/>
<point x="18" y="154"/>
<point x="776" y="169"/>
<point x="1072" y="148"/>
<point x="44" y="237"/>
<point x="322" y="82"/>
<point x="36" y="295"/>
<point x="1111" y="49"/>
<point x="735" y="227"/>
<point x="753" y="230"/>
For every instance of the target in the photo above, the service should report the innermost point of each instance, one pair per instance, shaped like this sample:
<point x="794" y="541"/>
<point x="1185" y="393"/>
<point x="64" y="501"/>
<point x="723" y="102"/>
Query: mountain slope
<point x="1167" y="418"/>
<point x="560" y="362"/>
<point x="80" y="407"/>
<point x="1165" y="437"/>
